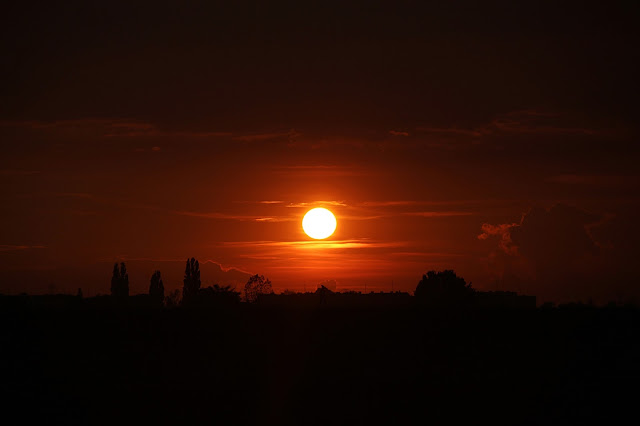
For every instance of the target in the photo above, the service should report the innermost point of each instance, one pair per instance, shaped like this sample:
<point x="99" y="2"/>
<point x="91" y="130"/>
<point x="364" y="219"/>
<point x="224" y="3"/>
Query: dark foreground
<point x="325" y="366"/>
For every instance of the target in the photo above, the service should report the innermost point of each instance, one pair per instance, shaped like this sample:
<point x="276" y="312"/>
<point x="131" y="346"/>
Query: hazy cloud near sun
<point x="564" y="253"/>
<point x="317" y="204"/>
<point x="547" y="236"/>
<point x="230" y="216"/>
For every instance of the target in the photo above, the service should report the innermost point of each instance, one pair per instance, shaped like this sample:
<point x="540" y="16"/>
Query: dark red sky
<point x="498" y="140"/>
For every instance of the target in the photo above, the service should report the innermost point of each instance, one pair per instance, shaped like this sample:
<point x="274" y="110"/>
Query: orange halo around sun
<point x="319" y="223"/>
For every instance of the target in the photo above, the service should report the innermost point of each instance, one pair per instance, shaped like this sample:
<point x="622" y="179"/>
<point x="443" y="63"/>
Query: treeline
<point x="192" y="294"/>
<point x="436" y="288"/>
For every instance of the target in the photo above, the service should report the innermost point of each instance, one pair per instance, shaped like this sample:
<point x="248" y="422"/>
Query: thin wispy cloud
<point x="258" y="137"/>
<point x="575" y="179"/>
<point x="327" y="244"/>
<point x="318" y="204"/>
<point x="14" y="172"/>
<point x="390" y="203"/>
<point x="516" y="122"/>
<point x="259" y="202"/>
<point x="223" y="267"/>
<point x="361" y="217"/>
<point x="426" y="254"/>
<point x="438" y="214"/>
<point x="237" y="217"/>
<point x="314" y="171"/>
<point x="272" y="219"/>
<point x="84" y="195"/>
<point x="10" y="247"/>
<point x="450" y="131"/>
<point x="408" y="203"/>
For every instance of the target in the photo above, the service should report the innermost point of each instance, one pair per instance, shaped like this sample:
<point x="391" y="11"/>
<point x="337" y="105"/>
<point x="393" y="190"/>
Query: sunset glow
<point x="433" y="151"/>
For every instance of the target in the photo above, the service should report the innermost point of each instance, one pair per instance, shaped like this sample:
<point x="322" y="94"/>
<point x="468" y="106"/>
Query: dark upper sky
<point x="499" y="140"/>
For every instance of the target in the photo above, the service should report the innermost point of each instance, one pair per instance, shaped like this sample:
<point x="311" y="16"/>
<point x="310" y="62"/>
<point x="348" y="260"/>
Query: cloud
<point x="13" y="172"/>
<point x="596" y="180"/>
<point x="534" y="122"/>
<point x="503" y="232"/>
<point x="320" y="171"/>
<point x="552" y="253"/>
<point x="547" y="236"/>
<point x="258" y="137"/>
<point x="426" y="254"/>
<point x="108" y="127"/>
<point x="317" y="244"/>
<point x="556" y="235"/>
<point x="361" y="217"/>
<point x="85" y="195"/>
<point x="389" y="203"/>
<point x="152" y="149"/>
<point x="237" y="217"/>
<point x="172" y="268"/>
<point x="398" y="133"/>
<point x="450" y="131"/>
<point x="404" y="203"/>
<point x="10" y="247"/>
<point x="438" y="214"/>
<point x="272" y="219"/>
<point x="515" y="122"/>
<point x="128" y="128"/>
<point x="318" y="204"/>
<point x="267" y="202"/>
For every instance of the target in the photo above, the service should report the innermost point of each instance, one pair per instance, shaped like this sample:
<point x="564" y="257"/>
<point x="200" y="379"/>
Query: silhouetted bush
<point x="120" y="282"/>
<point x="216" y="295"/>
<point x="443" y="288"/>
<point x="173" y="299"/>
<point x="257" y="286"/>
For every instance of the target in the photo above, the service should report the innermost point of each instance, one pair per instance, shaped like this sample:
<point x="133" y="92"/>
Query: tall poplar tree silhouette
<point x="156" y="287"/>
<point x="191" y="281"/>
<point x="120" y="281"/>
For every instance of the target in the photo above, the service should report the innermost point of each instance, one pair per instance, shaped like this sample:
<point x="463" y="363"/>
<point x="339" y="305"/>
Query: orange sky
<point x="152" y="136"/>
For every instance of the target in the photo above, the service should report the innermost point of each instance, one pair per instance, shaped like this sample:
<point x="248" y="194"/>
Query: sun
<point x="319" y="223"/>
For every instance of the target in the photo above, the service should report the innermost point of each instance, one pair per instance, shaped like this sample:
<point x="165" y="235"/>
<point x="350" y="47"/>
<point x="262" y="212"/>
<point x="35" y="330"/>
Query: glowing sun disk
<point x="319" y="223"/>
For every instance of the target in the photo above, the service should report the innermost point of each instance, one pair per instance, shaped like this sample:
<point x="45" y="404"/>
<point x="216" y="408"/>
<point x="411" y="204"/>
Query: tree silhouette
<point x="217" y="295"/>
<point x="443" y="287"/>
<point x="173" y="299"/>
<point x="256" y="286"/>
<point x="120" y="282"/>
<point x="191" y="281"/>
<point x="156" y="287"/>
<point x="323" y="293"/>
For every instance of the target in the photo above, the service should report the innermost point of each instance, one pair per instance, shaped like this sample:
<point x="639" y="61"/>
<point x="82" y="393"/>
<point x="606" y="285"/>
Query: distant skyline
<point x="500" y="141"/>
